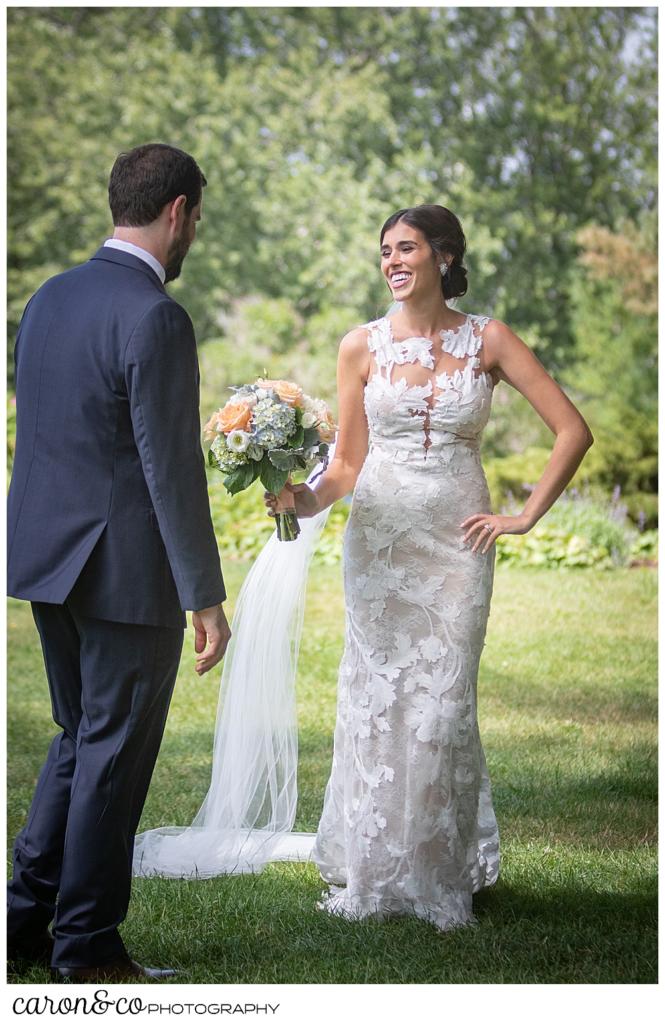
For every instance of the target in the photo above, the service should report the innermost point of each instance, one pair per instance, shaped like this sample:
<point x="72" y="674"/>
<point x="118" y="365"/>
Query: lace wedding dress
<point x="408" y="825"/>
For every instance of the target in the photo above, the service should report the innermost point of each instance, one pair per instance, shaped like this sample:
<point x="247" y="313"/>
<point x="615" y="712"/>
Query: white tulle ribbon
<point x="247" y="816"/>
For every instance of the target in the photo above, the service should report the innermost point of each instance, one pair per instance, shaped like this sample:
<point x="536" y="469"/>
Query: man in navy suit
<point x="110" y="539"/>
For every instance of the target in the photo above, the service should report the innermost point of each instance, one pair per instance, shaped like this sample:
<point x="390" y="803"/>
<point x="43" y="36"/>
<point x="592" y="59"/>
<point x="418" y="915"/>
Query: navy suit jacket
<point x="108" y="505"/>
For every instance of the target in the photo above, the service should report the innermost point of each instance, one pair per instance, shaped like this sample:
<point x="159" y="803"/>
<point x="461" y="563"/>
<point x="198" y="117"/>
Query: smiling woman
<point x="408" y="240"/>
<point x="408" y="825"/>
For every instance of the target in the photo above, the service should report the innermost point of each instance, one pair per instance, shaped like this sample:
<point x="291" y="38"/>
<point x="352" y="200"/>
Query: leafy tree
<point x="535" y="122"/>
<point x="530" y="122"/>
<point x="290" y="210"/>
<point x="615" y="371"/>
<point x="314" y="124"/>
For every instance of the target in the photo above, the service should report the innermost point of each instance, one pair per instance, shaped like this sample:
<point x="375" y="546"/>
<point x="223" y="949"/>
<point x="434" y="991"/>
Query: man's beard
<point x="175" y="258"/>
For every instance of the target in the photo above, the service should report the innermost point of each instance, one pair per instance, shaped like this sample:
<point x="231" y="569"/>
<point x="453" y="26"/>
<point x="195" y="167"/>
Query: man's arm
<point x="162" y="378"/>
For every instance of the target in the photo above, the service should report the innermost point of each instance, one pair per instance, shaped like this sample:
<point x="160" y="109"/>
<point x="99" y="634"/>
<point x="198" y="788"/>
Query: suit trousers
<point x="111" y="685"/>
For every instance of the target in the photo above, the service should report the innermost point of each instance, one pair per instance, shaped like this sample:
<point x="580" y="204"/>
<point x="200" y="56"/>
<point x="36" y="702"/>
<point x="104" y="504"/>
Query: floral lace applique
<point x="414" y="350"/>
<point x="408" y="825"/>
<point x="465" y="340"/>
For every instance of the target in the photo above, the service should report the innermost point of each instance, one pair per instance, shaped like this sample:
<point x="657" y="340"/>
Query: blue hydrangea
<point x="273" y="423"/>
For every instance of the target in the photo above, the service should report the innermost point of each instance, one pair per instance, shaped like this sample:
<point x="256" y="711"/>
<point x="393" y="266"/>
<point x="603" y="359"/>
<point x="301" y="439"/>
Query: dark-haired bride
<point x="408" y="825"/>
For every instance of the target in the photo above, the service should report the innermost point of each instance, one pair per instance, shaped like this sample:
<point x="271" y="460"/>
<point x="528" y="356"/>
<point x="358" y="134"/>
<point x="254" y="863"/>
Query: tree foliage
<point x="536" y="125"/>
<point x="615" y="370"/>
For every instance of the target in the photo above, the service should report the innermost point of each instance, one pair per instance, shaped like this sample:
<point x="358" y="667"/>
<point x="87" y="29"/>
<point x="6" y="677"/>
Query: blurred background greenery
<point x="537" y="126"/>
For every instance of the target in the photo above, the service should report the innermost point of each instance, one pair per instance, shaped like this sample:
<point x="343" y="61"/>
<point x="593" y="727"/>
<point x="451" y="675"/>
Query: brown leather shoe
<point x="123" y="969"/>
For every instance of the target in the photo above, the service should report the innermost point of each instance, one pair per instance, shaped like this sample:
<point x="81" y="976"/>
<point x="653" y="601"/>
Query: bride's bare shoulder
<point x="353" y="348"/>
<point x="355" y="340"/>
<point x="354" y="351"/>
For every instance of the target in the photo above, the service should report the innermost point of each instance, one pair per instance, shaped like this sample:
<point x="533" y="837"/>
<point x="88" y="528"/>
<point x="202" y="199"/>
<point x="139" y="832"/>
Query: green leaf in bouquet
<point x="296" y="441"/>
<point x="240" y="478"/>
<point x="311" y="438"/>
<point x="300" y="474"/>
<point x="212" y="461"/>
<point x="272" y="478"/>
<point x="283" y="458"/>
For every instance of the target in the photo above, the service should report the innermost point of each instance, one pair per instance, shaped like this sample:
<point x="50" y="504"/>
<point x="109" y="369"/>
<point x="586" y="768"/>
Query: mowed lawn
<point x="567" y="698"/>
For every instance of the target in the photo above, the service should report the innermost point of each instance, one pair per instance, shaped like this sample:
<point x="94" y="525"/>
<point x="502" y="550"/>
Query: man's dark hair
<point x="146" y="178"/>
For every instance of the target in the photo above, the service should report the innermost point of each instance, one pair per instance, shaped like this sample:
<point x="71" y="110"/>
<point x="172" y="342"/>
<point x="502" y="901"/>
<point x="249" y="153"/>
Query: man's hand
<point x="211" y="637"/>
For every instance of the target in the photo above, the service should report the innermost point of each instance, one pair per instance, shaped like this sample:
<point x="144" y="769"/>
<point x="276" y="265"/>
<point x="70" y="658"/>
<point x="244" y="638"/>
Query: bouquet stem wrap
<point x="286" y="520"/>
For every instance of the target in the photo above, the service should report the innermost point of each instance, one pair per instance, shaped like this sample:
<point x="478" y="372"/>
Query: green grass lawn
<point x="567" y="698"/>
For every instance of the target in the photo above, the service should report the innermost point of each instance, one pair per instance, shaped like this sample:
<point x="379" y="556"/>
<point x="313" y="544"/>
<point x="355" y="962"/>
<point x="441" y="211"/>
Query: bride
<point x="408" y="825"/>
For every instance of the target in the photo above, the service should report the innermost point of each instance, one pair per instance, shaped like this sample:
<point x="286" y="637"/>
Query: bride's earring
<point x="443" y="267"/>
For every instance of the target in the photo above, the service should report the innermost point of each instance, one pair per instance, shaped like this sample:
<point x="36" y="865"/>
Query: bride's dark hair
<point x="444" y="233"/>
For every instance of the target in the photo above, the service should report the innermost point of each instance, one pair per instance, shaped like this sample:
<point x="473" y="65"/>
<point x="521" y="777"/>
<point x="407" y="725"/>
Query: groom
<point x="110" y="539"/>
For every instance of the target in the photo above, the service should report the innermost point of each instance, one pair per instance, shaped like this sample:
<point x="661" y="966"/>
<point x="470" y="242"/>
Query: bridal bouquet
<point x="270" y="430"/>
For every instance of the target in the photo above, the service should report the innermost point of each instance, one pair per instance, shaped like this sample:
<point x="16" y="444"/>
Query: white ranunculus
<point x="320" y="409"/>
<point x="261" y="393"/>
<point x="244" y="397"/>
<point x="238" y="440"/>
<point x="308" y="420"/>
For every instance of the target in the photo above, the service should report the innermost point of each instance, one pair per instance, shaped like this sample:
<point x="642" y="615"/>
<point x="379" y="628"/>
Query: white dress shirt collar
<point x="136" y="250"/>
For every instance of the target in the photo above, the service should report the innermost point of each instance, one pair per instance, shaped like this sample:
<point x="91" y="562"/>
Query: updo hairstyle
<point x="444" y="233"/>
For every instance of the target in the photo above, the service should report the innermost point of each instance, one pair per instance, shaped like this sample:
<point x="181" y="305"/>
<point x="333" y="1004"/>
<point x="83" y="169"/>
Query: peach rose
<point x="234" y="416"/>
<point x="327" y="428"/>
<point x="210" y="428"/>
<point x="287" y="391"/>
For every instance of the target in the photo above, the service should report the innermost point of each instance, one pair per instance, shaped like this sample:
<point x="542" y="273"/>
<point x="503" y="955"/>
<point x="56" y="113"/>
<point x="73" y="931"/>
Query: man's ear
<point x="178" y="210"/>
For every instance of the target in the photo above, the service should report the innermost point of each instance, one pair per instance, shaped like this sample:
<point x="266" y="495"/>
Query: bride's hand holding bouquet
<point x="272" y="431"/>
<point x="301" y="497"/>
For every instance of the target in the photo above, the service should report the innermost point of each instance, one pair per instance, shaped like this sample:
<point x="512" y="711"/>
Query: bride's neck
<point x="426" y="317"/>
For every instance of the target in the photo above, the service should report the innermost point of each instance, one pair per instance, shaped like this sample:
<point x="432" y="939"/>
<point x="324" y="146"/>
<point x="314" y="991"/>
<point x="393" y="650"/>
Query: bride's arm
<point x="518" y="366"/>
<point x="351" y="446"/>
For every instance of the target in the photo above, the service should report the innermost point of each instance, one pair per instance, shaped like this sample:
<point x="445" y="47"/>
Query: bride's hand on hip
<point x="304" y="497"/>
<point x="483" y="527"/>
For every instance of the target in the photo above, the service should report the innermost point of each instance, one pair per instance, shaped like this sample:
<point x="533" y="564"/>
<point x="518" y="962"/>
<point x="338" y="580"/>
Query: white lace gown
<point x="408" y="825"/>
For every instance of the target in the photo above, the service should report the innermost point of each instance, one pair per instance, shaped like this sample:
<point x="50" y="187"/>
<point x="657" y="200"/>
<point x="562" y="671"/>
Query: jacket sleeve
<point x="162" y="378"/>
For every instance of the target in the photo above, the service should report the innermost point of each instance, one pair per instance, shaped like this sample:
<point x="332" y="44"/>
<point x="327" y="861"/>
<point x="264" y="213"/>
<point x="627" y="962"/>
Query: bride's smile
<point x="408" y="263"/>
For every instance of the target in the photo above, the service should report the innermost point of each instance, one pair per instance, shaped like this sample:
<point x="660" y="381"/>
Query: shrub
<point x="515" y="474"/>
<point x="580" y="530"/>
<point x="511" y="477"/>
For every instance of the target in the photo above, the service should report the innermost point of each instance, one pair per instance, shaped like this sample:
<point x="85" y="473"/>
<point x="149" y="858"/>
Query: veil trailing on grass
<point x="247" y="816"/>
